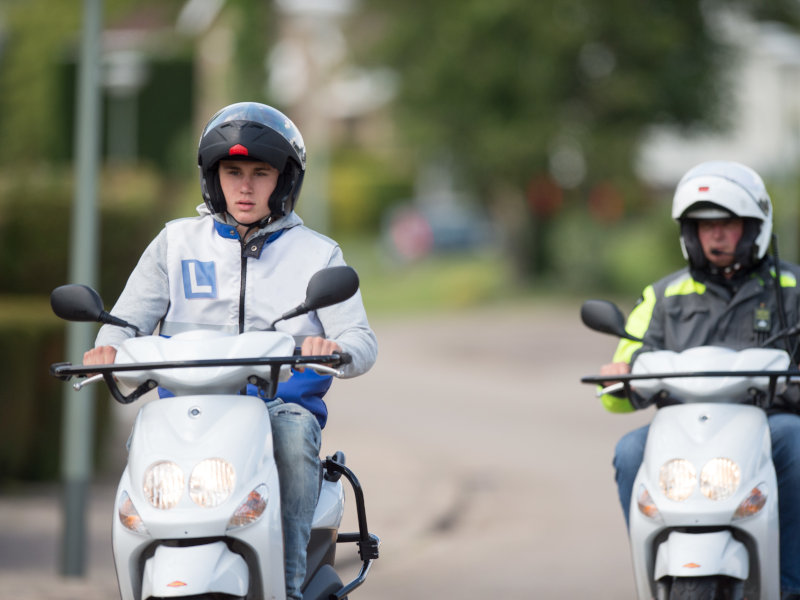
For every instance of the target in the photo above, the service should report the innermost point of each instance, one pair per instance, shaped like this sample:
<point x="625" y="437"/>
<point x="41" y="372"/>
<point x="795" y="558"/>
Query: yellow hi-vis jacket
<point x="687" y="309"/>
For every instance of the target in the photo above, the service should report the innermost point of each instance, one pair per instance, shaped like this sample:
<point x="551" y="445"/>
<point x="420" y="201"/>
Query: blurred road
<point x="485" y="464"/>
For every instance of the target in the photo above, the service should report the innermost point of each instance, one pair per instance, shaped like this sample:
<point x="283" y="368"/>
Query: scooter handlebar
<point x="65" y="370"/>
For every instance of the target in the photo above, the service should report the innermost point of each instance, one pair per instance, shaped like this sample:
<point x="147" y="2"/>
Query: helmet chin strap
<point x="254" y="225"/>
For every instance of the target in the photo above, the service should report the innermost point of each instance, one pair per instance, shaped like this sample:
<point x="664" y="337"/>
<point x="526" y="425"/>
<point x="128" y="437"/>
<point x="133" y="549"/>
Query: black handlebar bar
<point x="674" y="375"/>
<point x="638" y="402"/>
<point x="66" y="371"/>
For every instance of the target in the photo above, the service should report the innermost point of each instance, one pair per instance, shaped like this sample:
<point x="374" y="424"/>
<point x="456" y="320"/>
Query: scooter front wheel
<point x="701" y="588"/>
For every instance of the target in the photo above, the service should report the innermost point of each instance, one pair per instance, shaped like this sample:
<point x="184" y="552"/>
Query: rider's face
<point x="247" y="186"/>
<point x="719" y="237"/>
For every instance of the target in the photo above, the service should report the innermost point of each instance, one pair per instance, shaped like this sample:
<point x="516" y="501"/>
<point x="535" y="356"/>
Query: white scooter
<point x="197" y="510"/>
<point x="704" y="507"/>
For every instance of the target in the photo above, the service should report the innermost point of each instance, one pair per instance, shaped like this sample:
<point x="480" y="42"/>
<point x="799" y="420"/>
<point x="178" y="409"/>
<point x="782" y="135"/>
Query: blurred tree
<point x="36" y="39"/>
<point x="254" y="23"/>
<point x="551" y="95"/>
<point x="34" y="35"/>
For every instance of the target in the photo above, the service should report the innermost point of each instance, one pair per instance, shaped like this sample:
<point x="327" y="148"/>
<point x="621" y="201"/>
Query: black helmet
<point x="249" y="130"/>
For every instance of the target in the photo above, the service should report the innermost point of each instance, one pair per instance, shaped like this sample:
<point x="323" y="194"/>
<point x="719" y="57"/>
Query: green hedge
<point x="30" y="410"/>
<point x="34" y="246"/>
<point x="362" y="187"/>
<point x="35" y="218"/>
<point x="31" y="339"/>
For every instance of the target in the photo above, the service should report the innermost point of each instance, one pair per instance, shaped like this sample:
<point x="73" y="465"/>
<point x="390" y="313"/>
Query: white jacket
<point x="197" y="274"/>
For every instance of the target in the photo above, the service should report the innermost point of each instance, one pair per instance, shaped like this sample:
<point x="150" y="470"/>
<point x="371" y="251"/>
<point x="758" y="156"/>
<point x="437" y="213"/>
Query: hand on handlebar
<point x="102" y="355"/>
<point x="615" y="368"/>
<point x="317" y="346"/>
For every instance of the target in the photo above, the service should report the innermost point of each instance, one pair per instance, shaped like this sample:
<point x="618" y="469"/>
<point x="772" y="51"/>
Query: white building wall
<point x="765" y="132"/>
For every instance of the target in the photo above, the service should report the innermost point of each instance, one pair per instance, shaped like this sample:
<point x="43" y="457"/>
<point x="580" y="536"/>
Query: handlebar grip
<point x="345" y="358"/>
<point x="56" y="370"/>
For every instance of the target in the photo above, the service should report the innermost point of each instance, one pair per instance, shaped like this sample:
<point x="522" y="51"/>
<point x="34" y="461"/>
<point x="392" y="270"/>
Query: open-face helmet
<point x="252" y="131"/>
<point x="722" y="190"/>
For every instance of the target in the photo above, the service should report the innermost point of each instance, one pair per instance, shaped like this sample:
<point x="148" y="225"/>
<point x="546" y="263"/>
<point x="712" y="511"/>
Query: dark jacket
<point x="692" y="308"/>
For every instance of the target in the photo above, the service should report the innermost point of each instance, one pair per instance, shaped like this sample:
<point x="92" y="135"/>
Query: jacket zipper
<point x="255" y="250"/>
<point x="242" y="287"/>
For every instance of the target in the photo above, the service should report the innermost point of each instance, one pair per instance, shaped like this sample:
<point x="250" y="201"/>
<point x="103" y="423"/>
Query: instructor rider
<point x="730" y="294"/>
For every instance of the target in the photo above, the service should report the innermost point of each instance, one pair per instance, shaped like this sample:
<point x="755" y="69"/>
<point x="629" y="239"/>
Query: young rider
<point x="731" y="294"/>
<point x="239" y="266"/>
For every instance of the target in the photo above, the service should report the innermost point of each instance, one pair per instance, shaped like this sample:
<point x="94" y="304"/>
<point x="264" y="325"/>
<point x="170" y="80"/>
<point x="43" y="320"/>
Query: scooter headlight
<point x="163" y="484"/>
<point x="720" y="478"/>
<point x="251" y="509"/>
<point x="129" y="517"/>
<point x="677" y="478"/>
<point x="212" y="482"/>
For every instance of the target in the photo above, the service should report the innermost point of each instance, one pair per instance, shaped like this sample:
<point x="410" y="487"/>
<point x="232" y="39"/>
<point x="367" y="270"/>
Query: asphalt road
<point x="485" y="464"/>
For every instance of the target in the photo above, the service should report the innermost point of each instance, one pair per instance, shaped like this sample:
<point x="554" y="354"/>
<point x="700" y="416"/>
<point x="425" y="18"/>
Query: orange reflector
<point x="691" y="566"/>
<point x="176" y="584"/>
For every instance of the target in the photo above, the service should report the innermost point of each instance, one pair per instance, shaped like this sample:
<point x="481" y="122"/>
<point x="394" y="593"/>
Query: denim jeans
<point x="785" y="433"/>
<point x="296" y="442"/>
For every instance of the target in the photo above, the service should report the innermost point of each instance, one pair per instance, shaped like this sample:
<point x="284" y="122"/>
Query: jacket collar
<point x="226" y="228"/>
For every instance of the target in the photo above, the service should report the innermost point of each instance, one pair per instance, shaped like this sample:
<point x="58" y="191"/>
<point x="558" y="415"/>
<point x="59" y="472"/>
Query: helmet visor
<point x="265" y="115"/>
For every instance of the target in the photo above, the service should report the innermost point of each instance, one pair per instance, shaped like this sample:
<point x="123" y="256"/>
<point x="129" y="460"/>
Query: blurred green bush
<point x="363" y="187"/>
<point x="35" y="215"/>
<point x="619" y="258"/>
<point x="30" y="411"/>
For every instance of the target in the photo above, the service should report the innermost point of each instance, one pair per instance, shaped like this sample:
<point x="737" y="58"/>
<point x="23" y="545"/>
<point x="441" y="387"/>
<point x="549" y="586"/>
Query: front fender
<point x="701" y="555"/>
<point x="193" y="570"/>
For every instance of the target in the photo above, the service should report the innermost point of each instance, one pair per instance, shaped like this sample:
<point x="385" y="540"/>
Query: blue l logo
<point x="199" y="279"/>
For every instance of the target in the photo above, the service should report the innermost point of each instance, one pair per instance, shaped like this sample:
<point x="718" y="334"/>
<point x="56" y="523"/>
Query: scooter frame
<point x="698" y="537"/>
<point x="333" y="467"/>
<point x="667" y="544"/>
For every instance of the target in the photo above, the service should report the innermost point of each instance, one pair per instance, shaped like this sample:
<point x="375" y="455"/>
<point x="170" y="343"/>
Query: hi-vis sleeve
<point x="638" y="322"/>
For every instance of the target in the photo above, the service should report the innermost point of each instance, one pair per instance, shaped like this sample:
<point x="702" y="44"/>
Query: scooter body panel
<point x="699" y="433"/>
<point x="330" y="506"/>
<point x="187" y="430"/>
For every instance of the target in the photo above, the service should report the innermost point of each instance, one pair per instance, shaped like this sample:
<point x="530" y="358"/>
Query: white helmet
<point x="718" y="190"/>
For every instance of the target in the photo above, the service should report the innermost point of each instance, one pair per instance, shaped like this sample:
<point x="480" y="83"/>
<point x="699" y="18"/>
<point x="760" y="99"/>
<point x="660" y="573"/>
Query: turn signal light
<point x="251" y="509"/>
<point x="753" y="503"/>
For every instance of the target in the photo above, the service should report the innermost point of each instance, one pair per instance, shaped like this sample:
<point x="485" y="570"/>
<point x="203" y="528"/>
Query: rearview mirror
<point x="76" y="302"/>
<point x="605" y="317"/>
<point x="331" y="286"/>
<point x="325" y="288"/>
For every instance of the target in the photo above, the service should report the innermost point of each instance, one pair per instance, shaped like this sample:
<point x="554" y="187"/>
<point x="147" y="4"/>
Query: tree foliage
<point x="554" y="93"/>
<point x="502" y="83"/>
<point x="37" y="39"/>
<point x="34" y="35"/>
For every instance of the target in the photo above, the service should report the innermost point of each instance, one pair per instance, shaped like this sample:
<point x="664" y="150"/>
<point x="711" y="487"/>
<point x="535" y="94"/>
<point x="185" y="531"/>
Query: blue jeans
<point x="296" y="438"/>
<point x="784" y="429"/>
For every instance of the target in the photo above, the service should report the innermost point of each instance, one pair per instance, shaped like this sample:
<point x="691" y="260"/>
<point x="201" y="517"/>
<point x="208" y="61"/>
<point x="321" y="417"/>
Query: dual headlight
<point x="211" y="482"/>
<point x="718" y="480"/>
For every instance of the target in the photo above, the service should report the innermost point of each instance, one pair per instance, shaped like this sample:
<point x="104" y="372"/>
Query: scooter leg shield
<point x="186" y="571"/>
<point x="701" y="555"/>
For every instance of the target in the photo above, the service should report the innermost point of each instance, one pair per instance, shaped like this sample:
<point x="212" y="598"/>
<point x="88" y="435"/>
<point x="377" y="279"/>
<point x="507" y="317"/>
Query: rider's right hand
<point x="614" y="368"/>
<point x="102" y="355"/>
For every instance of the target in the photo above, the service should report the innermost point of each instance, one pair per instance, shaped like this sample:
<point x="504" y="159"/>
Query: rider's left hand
<point x="317" y="346"/>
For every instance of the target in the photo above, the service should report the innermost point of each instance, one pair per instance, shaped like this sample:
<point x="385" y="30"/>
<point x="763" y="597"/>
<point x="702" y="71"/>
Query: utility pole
<point x="78" y="424"/>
